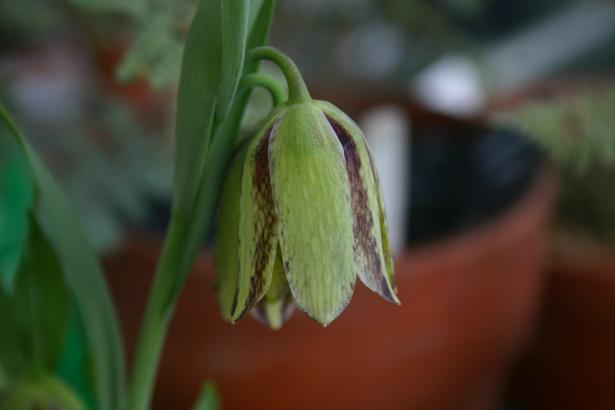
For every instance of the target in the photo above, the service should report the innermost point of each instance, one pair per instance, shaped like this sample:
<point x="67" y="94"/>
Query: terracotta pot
<point x="468" y="308"/>
<point x="570" y="365"/>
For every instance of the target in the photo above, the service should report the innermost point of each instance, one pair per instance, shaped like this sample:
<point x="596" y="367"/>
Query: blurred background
<point x="491" y="124"/>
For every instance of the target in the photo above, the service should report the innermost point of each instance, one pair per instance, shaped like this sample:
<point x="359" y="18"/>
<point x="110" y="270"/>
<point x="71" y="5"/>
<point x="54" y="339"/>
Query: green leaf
<point x="16" y="196"/>
<point x="3" y="378"/>
<point x="84" y="278"/>
<point x="202" y="83"/>
<point x="196" y="101"/>
<point x="196" y="201"/>
<point x="74" y="367"/>
<point x="208" y="398"/>
<point x="255" y="10"/>
<point x="262" y="10"/>
<point x="227" y="237"/>
<point x="235" y="17"/>
<point x="11" y="353"/>
<point x="44" y="392"/>
<point x="40" y="303"/>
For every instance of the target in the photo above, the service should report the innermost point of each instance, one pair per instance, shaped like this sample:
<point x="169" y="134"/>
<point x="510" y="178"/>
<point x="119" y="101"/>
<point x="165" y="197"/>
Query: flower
<point x="301" y="217"/>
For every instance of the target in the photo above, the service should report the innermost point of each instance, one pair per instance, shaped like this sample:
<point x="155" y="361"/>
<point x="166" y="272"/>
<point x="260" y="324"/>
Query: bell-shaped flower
<point x="301" y="217"/>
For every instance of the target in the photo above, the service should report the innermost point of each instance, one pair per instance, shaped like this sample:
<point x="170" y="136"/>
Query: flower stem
<point x="156" y="320"/>
<point x="297" y="90"/>
<point x="182" y="243"/>
<point x="181" y="248"/>
<point x="265" y="81"/>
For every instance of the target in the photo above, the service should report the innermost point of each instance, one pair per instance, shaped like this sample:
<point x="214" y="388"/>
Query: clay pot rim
<point x="502" y="228"/>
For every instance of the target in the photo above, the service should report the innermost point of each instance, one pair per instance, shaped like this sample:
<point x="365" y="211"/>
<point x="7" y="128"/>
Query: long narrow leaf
<point x="259" y="30"/>
<point x="83" y="276"/>
<point x="208" y="398"/>
<point x="196" y="101"/>
<point x="16" y="197"/>
<point x="12" y="359"/>
<point x="74" y="366"/>
<point x="221" y="152"/>
<point x="255" y="9"/>
<point x="40" y="303"/>
<point x="212" y="66"/>
<point x="235" y="17"/>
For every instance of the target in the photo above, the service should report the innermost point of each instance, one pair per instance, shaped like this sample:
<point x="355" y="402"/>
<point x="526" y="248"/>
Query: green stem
<point x="186" y="232"/>
<point x="156" y="321"/>
<point x="297" y="90"/>
<point x="182" y="245"/>
<point x="267" y="82"/>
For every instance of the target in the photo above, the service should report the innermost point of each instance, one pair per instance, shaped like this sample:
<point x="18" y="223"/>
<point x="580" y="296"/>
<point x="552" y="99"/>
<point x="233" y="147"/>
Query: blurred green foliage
<point x="37" y="308"/>
<point x="577" y="130"/>
<point x="35" y="315"/>
<point x="16" y="196"/>
<point x="160" y="28"/>
<point x="209" y="398"/>
<point x="157" y="50"/>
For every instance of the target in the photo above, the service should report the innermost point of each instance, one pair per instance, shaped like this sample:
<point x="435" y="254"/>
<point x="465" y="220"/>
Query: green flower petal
<point x="386" y="244"/>
<point x="312" y="203"/>
<point x="226" y="251"/>
<point x="372" y="249"/>
<point x="257" y="227"/>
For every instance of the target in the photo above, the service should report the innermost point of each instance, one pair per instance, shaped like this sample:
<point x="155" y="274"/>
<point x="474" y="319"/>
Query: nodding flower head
<point x="301" y="217"/>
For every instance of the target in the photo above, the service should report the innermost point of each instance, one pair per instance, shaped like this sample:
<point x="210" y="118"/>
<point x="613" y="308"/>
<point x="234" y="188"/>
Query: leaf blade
<point x="235" y="18"/>
<point x="40" y="302"/>
<point x="16" y="198"/>
<point x="208" y="398"/>
<point x="83" y="275"/>
<point x="196" y="101"/>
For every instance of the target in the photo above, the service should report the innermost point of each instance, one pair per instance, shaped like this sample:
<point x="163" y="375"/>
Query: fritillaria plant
<point x="300" y="209"/>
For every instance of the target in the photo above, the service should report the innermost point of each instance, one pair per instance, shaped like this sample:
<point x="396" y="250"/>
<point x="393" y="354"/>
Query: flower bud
<point x="303" y="192"/>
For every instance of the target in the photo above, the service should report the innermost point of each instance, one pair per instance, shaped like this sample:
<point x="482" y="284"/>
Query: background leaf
<point x="40" y="303"/>
<point x="208" y="398"/>
<point x="74" y="367"/>
<point x="83" y="276"/>
<point x="16" y="196"/>
<point x="156" y="52"/>
<point x="11" y="355"/>
<point x="42" y="392"/>
<point x="3" y="378"/>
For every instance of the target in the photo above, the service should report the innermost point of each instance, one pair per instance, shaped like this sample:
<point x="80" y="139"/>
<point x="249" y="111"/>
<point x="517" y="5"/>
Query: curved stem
<point x="267" y="82"/>
<point x="297" y="90"/>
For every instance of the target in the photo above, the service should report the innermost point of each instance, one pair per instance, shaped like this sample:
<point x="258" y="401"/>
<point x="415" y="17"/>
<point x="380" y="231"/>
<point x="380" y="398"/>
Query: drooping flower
<point x="303" y="192"/>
